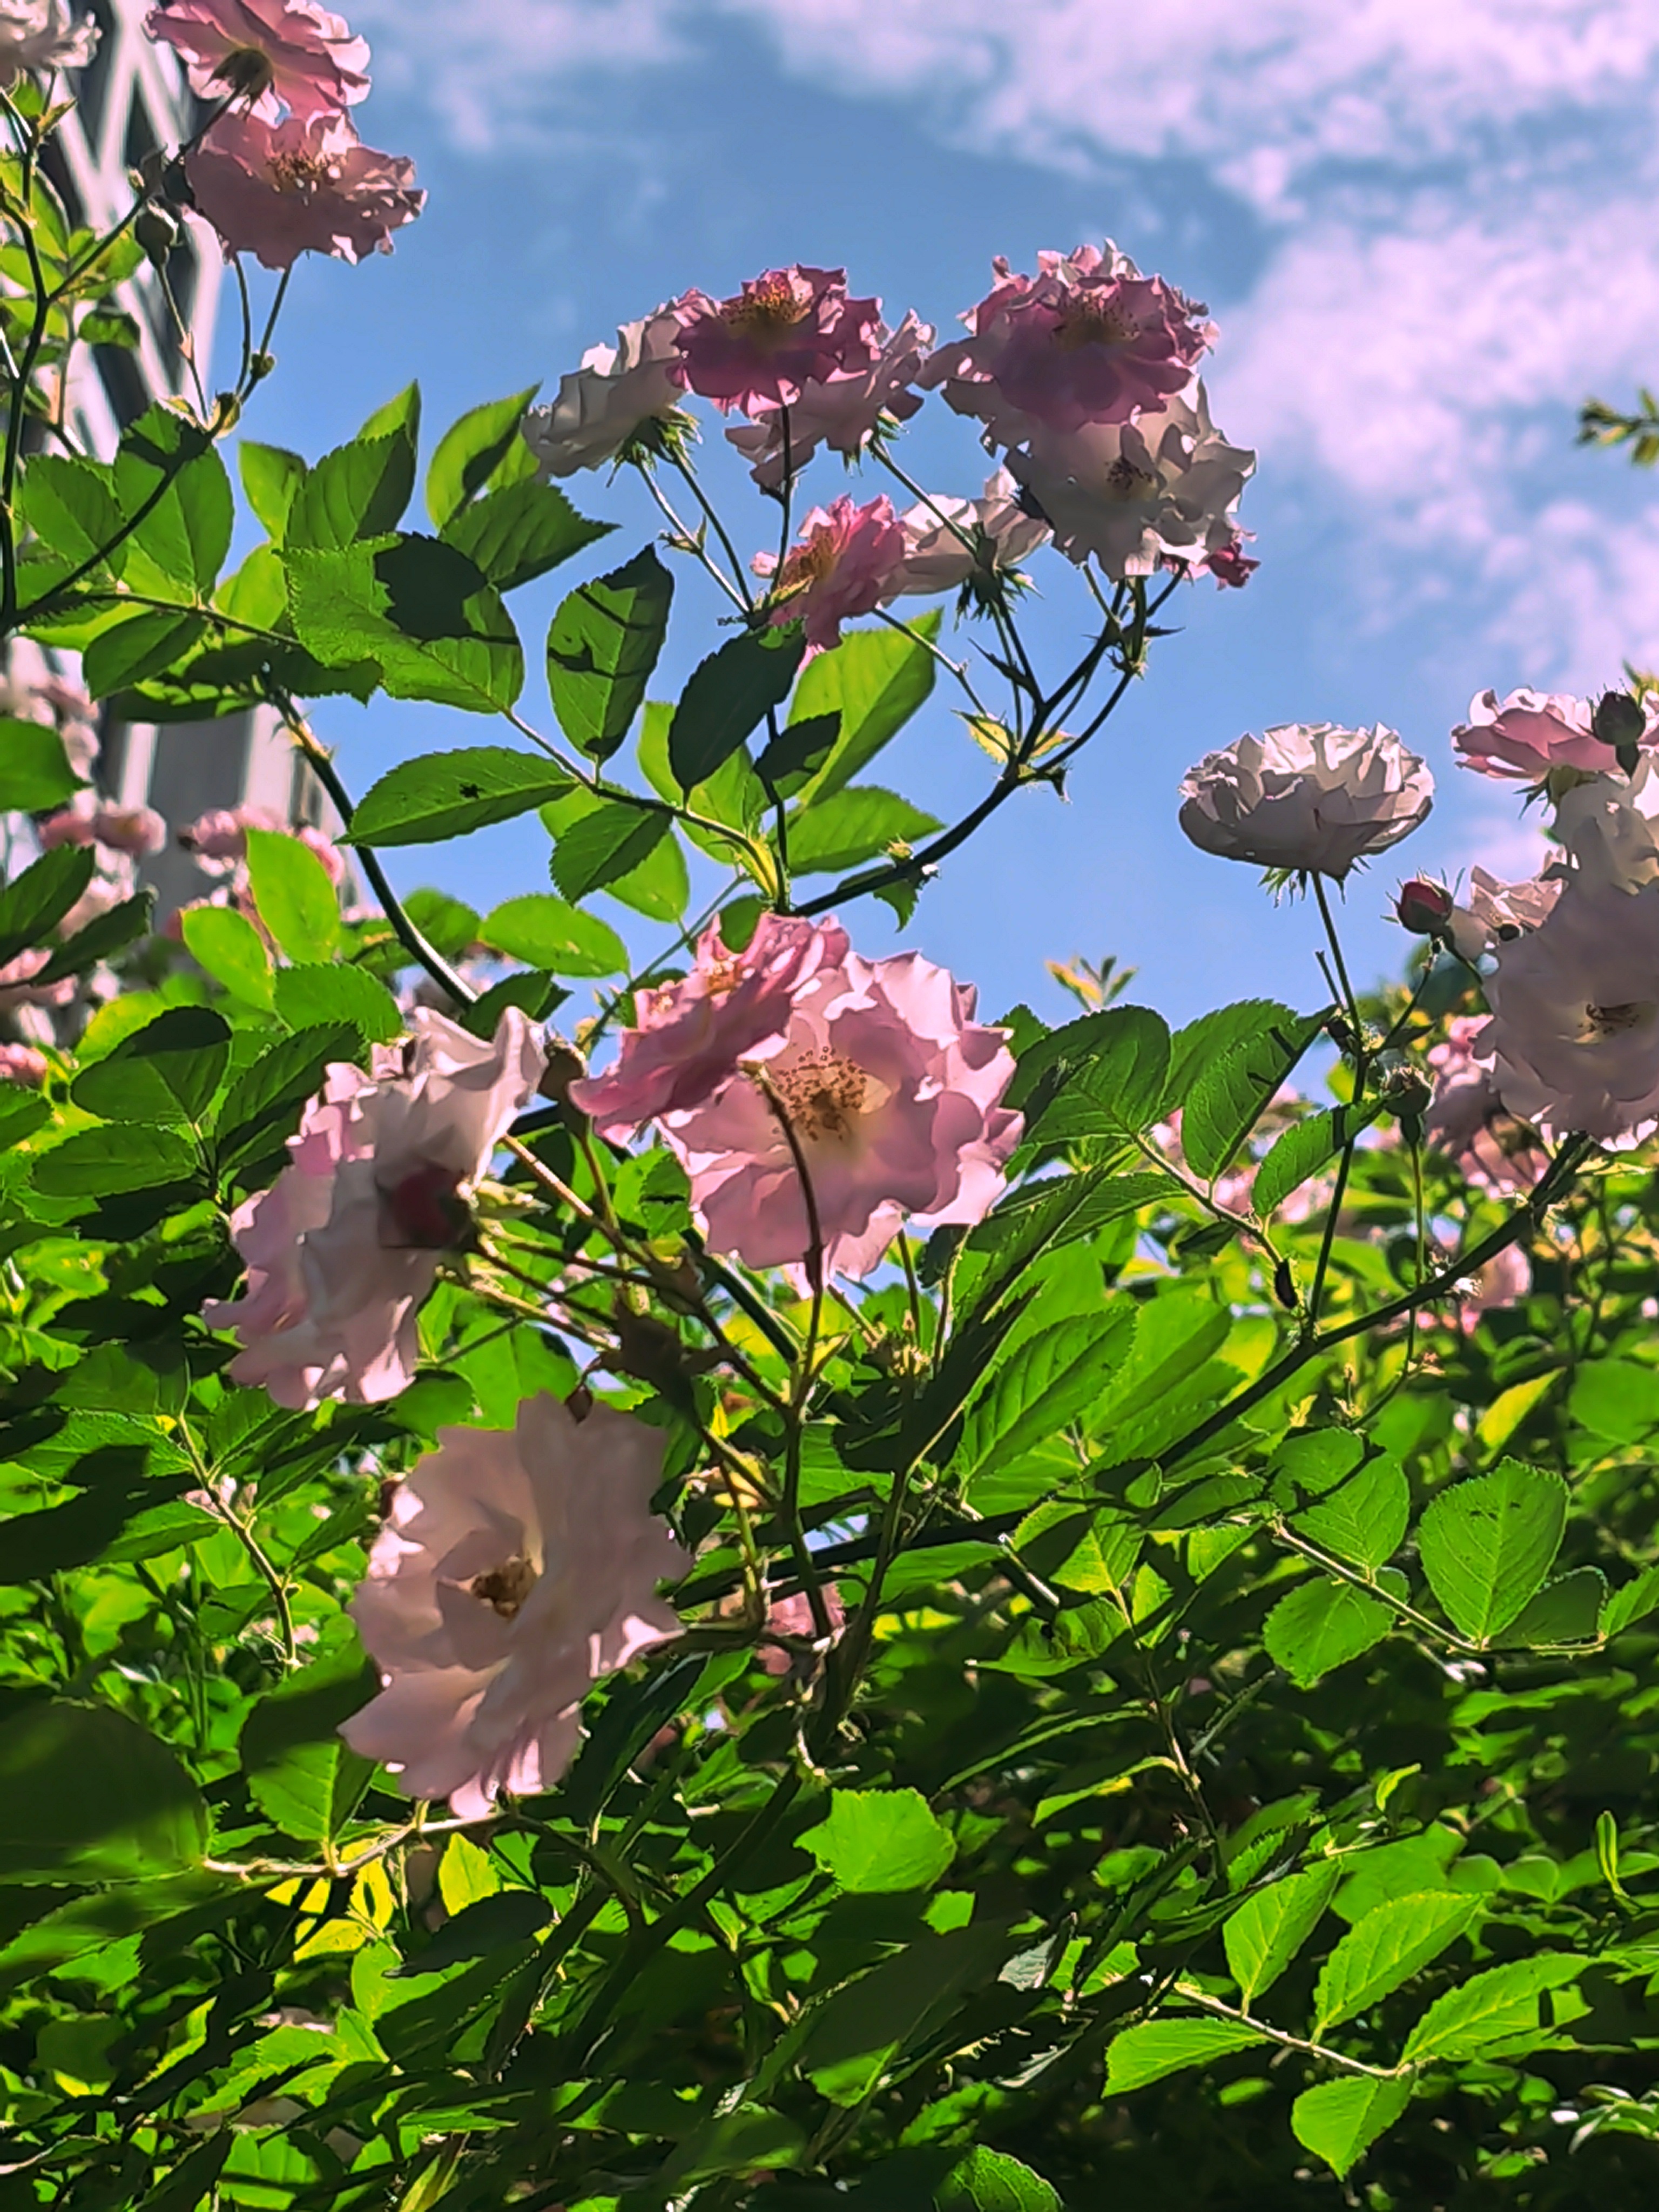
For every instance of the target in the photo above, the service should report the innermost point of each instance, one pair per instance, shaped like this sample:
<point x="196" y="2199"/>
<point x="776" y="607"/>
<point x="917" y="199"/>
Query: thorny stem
<point x="1193" y="1994"/>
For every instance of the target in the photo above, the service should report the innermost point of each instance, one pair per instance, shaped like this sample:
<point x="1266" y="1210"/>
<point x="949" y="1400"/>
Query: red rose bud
<point x="1423" y="907"/>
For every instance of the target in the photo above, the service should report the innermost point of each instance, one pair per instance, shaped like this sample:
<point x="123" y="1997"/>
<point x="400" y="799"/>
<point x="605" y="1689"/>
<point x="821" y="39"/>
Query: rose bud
<point x="1423" y="907"/>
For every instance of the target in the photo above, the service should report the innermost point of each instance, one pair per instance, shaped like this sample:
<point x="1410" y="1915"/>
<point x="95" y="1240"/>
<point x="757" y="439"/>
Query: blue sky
<point x="1426" y="233"/>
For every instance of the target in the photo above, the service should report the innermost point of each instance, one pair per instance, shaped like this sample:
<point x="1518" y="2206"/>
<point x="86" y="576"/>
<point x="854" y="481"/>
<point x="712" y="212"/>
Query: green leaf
<point x="851" y="2039"/>
<point x="104" y="936"/>
<point x="358" y="491"/>
<point x="518" y="533"/>
<point x="880" y="1839"/>
<point x="115" y="1158"/>
<point x="729" y="694"/>
<point x="70" y="506"/>
<point x="1502" y="2005"/>
<point x="447" y="924"/>
<point x="1268" y="1930"/>
<point x="229" y="947"/>
<point x="290" y="1748"/>
<point x="417" y="609"/>
<point x="1058" y="1211"/>
<point x="486" y="1925"/>
<point x="1339" y="2121"/>
<point x="1566" y="1611"/>
<point x="748" y="2139"/>
<point x="874" y="680"/>
<point x="1303" y="1150"/>
<point x="317" y="995"/>
<point x="990" y="2181"/>
<point x="1391" y="1943"/>
<point x="87" y="1795"/>
<point x="264" y="1105"/>
<point x="109" y="326"/>
<point x="659" y="886"/>
<point x="294" y="894"/>
<point x="1230" y="1094"/>
<point x="137" y="647"/>
<point x="166" y="1072"/>
<point x="1205" y="1040"/>
<point x="271" y="477"/>
<point x="1322" y="1624"/>
<point x="1632" y="1602"/>
<point x="34" y="769"/>
<point x="1044" y="1383"/>
<point x="1146" y="2053"/>
<point x="601" y="649"/>
<point x="441" y="795"/>
<point x="545" y="932"/>
<point x="790" y="760"/>
<point x="1487" y="1544"/>
<point x="532" y="990"/>
<point x="33" y="904"/>
<point x="852" y="825"/>
<point x="1363" y="1519"/>
<point x="470" y="452"/>
<point x="605" y="841"/>
<point x="186" y="533"/>
<point x="1114" y="1082"/>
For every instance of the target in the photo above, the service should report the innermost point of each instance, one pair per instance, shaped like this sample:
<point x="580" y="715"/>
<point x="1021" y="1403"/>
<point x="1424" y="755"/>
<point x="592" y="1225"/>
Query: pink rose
<point x="892" y="1092"/>
<point x="42" y="35"/>
<point x="22" y="1064"/>
<point x="273" y="53"/>
<point x="16" y="990"/>
<point x="345" y="1245"/>
<point x="1466" y="1118"/>
<point x="1498" y="910"/>
<point x="277" y="190"/>
<point x="787" y="328"/>
<point x="1527" y="734"/>
<point x="69" y="825"/>
<point x="847" y="562"/>
<point x="514" y="1571"/>
<point x="948" y="542"/>
<point x="135" y="831"/>
<point x="1087" y="340"/>
<point x="844" y="411"/>
<point x="689" y="1037"/>
<point x="1573" y="1042"/>
<point x="610" y="398"/>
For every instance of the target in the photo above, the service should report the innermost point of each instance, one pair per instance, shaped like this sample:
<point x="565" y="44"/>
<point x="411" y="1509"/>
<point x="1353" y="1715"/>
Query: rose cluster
<point x="280" y="171"/>
<point x="1084" y="380"/>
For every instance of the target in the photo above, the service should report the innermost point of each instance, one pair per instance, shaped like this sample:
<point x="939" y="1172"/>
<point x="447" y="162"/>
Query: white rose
<point x="1309" y="797"/>
<point x="602" y="404"/>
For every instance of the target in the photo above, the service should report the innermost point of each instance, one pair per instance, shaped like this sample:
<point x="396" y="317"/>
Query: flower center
<point x="423" y="1211"/>
<point x="821" y="1092"/>
<point x="1124" y="481"/>
<point x="246" y="72"/>
<point x="1092" y="322"/>
<point x="767" y="311"/>
<point x="1614" y="1021"/>
<point x="807" y="565"/>
<point x="297" y="172"/>
<point x="505" y="1588"/>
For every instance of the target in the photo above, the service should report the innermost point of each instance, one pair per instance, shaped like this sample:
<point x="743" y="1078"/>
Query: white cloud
<point x="1457" y="197"/>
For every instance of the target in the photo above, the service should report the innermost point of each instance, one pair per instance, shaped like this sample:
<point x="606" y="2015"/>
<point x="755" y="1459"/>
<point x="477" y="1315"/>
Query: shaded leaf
<point x="545" y="933"/>
<point x="845" y="827"/>
<point x="601" y="649"/>
<point x="728" y="695"/>
<point x="88" y="1795"/>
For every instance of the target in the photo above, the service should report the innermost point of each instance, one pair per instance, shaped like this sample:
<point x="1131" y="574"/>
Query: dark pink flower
<point x="277" y="190"/>
<point x="273" y="53"/>
<point x="1527" y="734"/>
<point x="690" y="1036"/>
<point x="345" y="1245"/>
<point x="1088" y="339"/>
<point x="843" y="412"/>
<point x="1231" y="565"/>
<point x="785" y="330"/>
<point x="892" y="1092"/>
<point x="847" y="562"/>
<point x="514" y="1571"/>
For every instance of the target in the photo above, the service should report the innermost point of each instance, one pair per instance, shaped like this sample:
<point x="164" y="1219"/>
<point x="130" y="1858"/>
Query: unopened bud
<point x="157" y="231"/>
<point x="1408" y="1090"/>
<point x="1423" y="907"/>
<point x="565" y="1066"/>
<point x="1619" y="721"/>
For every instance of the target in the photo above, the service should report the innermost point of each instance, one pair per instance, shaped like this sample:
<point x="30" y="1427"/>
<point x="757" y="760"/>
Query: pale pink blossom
<point x="219" y="839"/>
<point x="1312" y="798"/>
<point x="948" y="542"/>
<point x="611" y="397"/>
<point x="515" y="1569"/>
<point x="1499" y="1282"/>
<point x="793" y="1617"/>
<point x="272" y="54"/>
<point x="345" y="1245"/>
<point x="114" y="883"/>
<point x="847" y="562"/>
<point x="1529" y="734"/>
<point x="1573" y="1042"/>
<point x="135" y="831"/>
<point x="1157" y="493"/>
<point x="22" y="1064"/>
<point x="277" y="190"/>
<point x="16" y="990"/>
<point x="1087" y="340"/>
<point x="785" y="330"/>
<point x="1496" y="910"/>
<point x="689" y="1037"/>
<point x="844" y="411"/>
<point x="1605" y="826"/>
<point x="1465" y="1120"/>
<point x="42" y="35"/>
<point x="893" y="1093"/>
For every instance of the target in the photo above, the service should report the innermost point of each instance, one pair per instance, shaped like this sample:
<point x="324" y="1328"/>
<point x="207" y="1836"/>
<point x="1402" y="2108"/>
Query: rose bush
<point x="645" y="1565"/>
